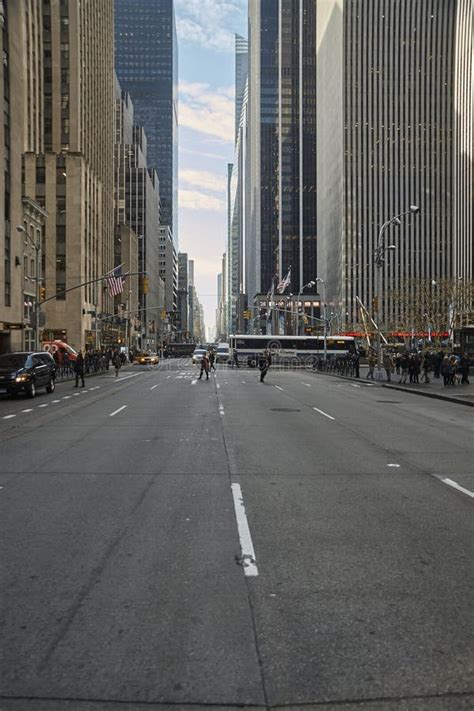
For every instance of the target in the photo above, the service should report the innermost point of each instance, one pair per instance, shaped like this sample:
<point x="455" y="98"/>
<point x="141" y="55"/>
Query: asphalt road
<point x="170" y="543"/>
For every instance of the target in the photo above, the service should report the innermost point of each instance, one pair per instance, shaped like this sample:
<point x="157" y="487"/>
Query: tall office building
<point x="282" y="143"/>
<point x="137" y="220"/>
<point x="146" y="62"/>
<point x="241" y="75"/>
<point x="183" y="297"/>
<point x="394" y="126"/>
<point x="68" y="92"/>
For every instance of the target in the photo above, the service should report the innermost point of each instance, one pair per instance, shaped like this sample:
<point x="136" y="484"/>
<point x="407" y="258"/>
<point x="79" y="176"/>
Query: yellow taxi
<point x="147" y="359"/>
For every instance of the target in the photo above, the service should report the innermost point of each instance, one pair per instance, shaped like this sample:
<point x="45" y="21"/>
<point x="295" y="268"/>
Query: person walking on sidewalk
<point x="388" y="366"/>
<point x="404" y="367"/>
<point x="426" y="367"/>
<point x="205" y="366"/>
<point x="79" y="368"/>
<point x="372" y="361"/>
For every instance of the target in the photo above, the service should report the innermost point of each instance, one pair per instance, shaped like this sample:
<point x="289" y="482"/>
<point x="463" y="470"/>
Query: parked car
<point x="222" y="353"/>
<point x="26" y="372"/>
<point x="198" y="355"/>
<point x="146" y="359"/>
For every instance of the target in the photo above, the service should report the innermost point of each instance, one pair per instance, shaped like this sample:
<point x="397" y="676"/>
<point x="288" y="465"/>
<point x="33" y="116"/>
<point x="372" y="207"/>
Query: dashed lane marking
<point x="248" y="560"/>
<point x="321" y="412"/>
<point x="154" y="386"/>
<point x="30" y="409"/>
<point x="217" y="385"/>
<point x="67" y="397"/>
<point x="193" y="382"/>
<point x="278" y="387"/>
<point x="8" y="417"/>
<point x="116" y="412"/>
<point x="53" y="402"/>
<point x="455" y="485"/>
<point x="307" y="385"/>
<point x="45" y="405"/>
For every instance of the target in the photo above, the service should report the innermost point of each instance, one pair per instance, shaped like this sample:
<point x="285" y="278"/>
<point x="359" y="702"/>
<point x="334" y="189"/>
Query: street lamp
<point x="310" y="283"/>
<point x="323" y="283"/>
<point x="379" y="260"/>
<point x="37" y="247"/>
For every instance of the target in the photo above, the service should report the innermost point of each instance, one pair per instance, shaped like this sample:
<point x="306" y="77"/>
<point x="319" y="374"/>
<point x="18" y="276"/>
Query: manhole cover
<point x="283" y="409"/>
<point x="391" y="402"/>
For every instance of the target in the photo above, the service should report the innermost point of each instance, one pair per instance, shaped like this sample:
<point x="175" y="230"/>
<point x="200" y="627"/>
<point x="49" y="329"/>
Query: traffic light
<point x="145" y="285"/>
<point x="42" y="293"/>
<point x="247" y="314"/>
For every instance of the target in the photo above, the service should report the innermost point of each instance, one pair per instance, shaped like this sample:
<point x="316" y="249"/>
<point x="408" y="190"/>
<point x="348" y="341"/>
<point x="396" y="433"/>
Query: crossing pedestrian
<point x="205" y="366"/>
<point x="79" y="369"/>
<point x="264" y="363"/>
<point x="117" y="362"/>
<point x="212" y="358"/>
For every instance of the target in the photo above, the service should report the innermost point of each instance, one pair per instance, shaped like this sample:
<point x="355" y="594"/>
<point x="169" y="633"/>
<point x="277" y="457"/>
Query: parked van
<point x="60" y="347"/>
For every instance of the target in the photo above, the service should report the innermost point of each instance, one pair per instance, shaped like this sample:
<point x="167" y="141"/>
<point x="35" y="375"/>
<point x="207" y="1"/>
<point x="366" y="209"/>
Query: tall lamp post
<point x="310" y="283"/>
<point x="379" y="260"/>
<point x="37" y="247"/>
<point x="323" y="284"/>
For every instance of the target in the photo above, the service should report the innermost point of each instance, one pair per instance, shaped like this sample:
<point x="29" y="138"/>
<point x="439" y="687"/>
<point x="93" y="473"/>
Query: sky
<point x="206" y="30"/>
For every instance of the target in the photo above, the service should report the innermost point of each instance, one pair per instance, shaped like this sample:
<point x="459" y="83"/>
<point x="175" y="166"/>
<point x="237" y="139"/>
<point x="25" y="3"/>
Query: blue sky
<point x="206" y="31"/>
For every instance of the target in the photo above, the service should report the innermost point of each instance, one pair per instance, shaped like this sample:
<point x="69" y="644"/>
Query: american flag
<point x="284" y="282"/>
<point x="115" y="281"/>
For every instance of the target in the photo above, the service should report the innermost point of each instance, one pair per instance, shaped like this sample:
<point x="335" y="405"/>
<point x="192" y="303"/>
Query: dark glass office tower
<point x="146" y="62"/>
<point x="282" y="134"/>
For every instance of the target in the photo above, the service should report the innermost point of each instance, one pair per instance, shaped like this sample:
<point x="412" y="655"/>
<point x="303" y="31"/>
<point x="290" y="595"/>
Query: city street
<point x="128" y="580"/>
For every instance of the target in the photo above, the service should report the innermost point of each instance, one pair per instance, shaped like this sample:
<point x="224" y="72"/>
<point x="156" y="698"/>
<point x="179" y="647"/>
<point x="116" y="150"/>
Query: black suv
<point x="26" y="372"/>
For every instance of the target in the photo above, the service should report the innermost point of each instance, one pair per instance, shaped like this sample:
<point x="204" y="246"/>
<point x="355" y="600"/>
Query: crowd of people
<point x="410" y="367"/>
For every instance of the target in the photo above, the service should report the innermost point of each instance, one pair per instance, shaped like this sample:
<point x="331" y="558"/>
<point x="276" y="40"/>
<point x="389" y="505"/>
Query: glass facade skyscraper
<point x="146" y="62"/>
<point x="282" y="134"/>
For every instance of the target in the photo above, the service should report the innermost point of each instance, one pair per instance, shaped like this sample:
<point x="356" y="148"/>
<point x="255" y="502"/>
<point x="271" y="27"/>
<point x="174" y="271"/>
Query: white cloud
<point x="203" y="179"/>
<point x="206" y="22"/>
<point x="197" y="200"/>
<point x="207" y="111"/>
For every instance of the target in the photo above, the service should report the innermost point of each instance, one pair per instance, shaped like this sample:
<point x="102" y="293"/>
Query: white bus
<point x="289" y="350"/>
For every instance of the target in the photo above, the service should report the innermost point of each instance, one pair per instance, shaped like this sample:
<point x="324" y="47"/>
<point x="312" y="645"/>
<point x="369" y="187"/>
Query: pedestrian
<point x="388" y="366"/>
<point x="79" y="368"/>
<point x="464" y="370"/>
<point x="426" y="364"/>
<point x="117" y="363"/>
<point x="446" y="371"/>
<point x="264" y="363"/>
<point x="205" y="366"/>
<point x="355" y="360"/>
<point x="404" y="367"/>
<point x="235" y="358"/>
<point x="372" y="361"/>
<point x="212" y="358"/>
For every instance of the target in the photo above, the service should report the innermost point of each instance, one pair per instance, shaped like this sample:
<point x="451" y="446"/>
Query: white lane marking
<point x="193" y="382"/>
<point x="321" y="412"/>
<point x="218" y="385"/>
<point x="53" y="402"/>
<point x="221" y="410"/>
<point x="31" y="409"/>
<point x="154" y="386"/>
<point x="248" y="553"/>
<point x="116" y="412"/>
<point x="307" y="385"/>
<point x="168" y="377"/>
<point x="134" y="375"/>
<point x="43" y="405"/>
<point x="393" y="465"/>
<point x="67" y="397"/>
<point x="76" y="394"/>
<point x="278" y="387"/>
<point x="355" y="386"/>
<point x="244" y="382"/>
<point x="455" y="485"/>
<point x="8" y="417"/>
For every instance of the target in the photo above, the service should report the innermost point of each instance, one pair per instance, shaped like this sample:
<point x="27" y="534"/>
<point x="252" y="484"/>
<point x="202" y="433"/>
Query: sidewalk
<point x="461" y="394"/>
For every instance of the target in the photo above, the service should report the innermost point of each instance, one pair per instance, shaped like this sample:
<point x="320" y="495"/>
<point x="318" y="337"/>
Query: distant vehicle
<point x="179" y="350"/>
<point x="199" y="354"/>
<point x="26" y="372"/>
<point x="222" y="353"/>
<point x="59" y="347"/>
<point x="146" y="359"/>
<point x="291" y="350"/>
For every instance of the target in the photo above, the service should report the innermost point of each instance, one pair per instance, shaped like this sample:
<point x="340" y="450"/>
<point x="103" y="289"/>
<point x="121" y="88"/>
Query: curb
<point x="433" y="396"/>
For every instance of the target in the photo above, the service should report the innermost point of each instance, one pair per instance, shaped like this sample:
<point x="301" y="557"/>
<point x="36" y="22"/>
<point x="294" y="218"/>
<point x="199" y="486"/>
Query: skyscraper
<point x="282" y="135"/>
<point x="146" y="62"/>
<point x="241" y="74"/>
<point x="394" y="129"/>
